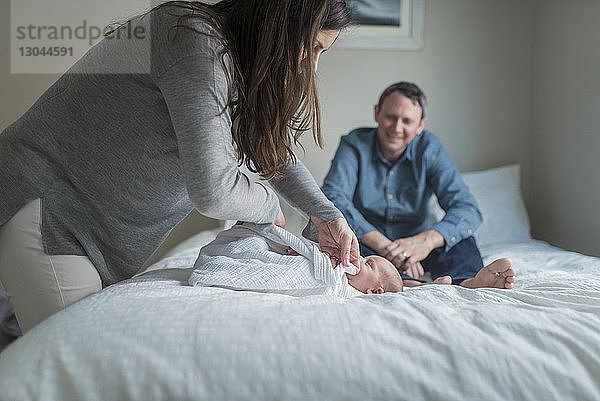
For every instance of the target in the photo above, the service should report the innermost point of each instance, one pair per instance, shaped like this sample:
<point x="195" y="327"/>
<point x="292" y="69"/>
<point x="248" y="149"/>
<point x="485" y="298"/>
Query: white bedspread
<point x="156" y="338"/>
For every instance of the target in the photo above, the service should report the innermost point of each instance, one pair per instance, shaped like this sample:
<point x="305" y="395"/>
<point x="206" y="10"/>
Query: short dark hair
<point x="408" y="89"/>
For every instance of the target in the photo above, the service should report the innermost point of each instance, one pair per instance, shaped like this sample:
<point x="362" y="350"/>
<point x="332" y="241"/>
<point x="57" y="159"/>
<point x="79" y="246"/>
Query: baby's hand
<point x="291" y="252"/>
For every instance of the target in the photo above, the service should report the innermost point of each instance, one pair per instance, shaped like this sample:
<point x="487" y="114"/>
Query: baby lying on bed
<point x="257" y="258"/>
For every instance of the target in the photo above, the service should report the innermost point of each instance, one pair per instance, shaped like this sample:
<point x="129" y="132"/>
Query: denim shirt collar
<point x="377" y="155"/>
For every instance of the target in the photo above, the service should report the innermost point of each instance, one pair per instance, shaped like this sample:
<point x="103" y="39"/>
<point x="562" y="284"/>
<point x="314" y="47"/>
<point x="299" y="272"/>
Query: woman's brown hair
<point x="271" y="45"/>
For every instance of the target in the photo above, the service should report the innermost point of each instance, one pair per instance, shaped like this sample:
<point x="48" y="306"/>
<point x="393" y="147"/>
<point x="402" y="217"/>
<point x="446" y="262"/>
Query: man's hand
<point x="337" y="239"/>
<point x="407" y="253"/>
<point x="413" y="269"/>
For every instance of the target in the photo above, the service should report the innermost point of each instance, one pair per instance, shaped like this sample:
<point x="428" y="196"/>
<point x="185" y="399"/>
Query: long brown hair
<point x="271" y="45"/>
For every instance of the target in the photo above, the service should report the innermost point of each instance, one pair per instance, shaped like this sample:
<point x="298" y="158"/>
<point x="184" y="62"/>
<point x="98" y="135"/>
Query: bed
<point x="153" y="337"/>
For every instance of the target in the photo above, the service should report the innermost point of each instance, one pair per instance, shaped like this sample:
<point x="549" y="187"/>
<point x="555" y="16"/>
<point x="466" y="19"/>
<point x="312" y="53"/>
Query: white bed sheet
<point x="155" y="338"/>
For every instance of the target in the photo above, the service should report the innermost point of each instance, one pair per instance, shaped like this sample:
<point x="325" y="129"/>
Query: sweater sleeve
<point x="195" y="91"/>
<point x="301" y="191"/>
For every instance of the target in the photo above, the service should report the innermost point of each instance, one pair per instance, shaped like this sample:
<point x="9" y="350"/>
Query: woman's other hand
<point x="280" y="221"/>
<point x="291" y="252"/>
<point x="337" y="239"/>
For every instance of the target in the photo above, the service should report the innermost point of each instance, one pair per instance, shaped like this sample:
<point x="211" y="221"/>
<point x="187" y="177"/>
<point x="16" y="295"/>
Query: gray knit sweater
<point x="120" y="157"/>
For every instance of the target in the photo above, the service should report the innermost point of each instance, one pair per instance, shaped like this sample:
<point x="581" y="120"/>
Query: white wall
<point x="475" y="69"/>
<point x="566" y="124"/>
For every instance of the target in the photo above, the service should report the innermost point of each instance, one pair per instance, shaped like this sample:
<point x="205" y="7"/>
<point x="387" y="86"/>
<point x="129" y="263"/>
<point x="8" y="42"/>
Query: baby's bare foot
<point x="497" y="274"/>
<point x="411" y="283"/>
<point x="442" y="280"/>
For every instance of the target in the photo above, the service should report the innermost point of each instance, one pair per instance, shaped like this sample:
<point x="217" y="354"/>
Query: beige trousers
<point x="38" y="284"/>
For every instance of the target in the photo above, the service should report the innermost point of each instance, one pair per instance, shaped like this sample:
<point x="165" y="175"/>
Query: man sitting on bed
<point x="267" y="258"/>
<point x="382" y="179"/>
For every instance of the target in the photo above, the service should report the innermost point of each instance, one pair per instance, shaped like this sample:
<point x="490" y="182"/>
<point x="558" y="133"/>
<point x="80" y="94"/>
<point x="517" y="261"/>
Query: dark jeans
<point x="462" y="261"/>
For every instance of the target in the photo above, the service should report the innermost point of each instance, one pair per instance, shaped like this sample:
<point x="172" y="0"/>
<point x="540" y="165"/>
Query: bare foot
<point x="497" y="274"/>
<point x="446" y="280"/>
<point x="411" y="283"/>
<point x="440" y="280"/>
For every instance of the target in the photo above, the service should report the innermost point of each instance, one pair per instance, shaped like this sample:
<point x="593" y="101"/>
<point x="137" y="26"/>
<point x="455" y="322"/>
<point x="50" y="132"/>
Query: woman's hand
<point x="337" y="239"/>
<point x="290" y="251"/>
<point x="280" y="221"/>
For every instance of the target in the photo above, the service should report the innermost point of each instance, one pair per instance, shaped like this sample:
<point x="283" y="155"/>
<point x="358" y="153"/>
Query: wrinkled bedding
<point x="156" y="338"/>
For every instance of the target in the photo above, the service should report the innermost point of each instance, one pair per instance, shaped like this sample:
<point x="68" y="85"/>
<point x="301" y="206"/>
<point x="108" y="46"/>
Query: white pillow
<point x="498" y="193"/>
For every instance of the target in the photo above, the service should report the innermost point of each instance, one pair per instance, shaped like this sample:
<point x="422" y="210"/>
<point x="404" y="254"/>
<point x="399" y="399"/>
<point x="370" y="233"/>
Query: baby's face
<point x="374" y="274"/>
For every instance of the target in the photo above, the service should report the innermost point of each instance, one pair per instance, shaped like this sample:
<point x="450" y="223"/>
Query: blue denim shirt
<point x="394" y="200"/>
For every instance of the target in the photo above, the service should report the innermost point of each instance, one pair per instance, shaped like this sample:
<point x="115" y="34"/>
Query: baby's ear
<point x="378" y="290"/>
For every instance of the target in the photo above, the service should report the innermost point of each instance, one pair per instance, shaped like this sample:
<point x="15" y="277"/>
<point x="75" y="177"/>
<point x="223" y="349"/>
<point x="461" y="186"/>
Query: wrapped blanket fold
<point x="253" y="257"/>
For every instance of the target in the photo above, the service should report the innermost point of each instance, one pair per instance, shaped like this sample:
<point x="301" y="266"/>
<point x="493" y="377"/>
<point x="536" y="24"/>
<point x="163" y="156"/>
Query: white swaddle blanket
<point x="253" y="257"/>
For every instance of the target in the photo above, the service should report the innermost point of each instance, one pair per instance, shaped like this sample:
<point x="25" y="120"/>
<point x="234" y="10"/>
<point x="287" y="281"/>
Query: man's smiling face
<point x="398" y="123"/>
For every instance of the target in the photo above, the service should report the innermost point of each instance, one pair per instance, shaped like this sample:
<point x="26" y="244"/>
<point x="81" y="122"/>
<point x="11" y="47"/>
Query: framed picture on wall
<point x="385" y="25"/>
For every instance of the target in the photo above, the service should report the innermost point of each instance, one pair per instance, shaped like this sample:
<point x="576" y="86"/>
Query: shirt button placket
<point x="390" y="196"/>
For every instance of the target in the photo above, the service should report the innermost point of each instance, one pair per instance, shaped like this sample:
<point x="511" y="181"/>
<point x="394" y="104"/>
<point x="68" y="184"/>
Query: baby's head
<point x="376" y="275"/>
